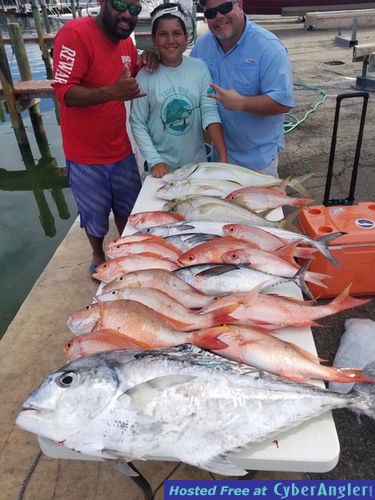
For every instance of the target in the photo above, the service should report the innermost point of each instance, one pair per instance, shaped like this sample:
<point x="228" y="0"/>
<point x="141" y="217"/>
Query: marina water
<point x="32" y="222"/>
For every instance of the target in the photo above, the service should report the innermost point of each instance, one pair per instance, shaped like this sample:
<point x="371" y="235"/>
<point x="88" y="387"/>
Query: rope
<point x="292" y="121"/>
<point x="28" y="474"/>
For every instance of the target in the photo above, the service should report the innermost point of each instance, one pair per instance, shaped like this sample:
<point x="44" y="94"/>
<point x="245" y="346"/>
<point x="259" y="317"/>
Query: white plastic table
<point x="311" y="447"/>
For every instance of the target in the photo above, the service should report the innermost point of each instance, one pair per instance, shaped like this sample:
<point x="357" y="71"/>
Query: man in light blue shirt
<point x="252" y="83"/>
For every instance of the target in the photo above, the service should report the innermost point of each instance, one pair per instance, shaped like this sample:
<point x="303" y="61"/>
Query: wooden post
<point x="47" y="24"/>
<point x="42" y="43"/>
<point x="3" y="18"/>
<point x="15" y="117"/>
<point x="25" y="72"/>
<point x="45" y="54"/>
<point x="2" y="113"/>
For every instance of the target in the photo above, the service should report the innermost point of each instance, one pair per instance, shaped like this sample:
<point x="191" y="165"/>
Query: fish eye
<point x="66" y="379"/>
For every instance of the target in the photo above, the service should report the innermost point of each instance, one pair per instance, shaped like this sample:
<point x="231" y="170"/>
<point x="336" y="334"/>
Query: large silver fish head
<point x="67" y="400"/>
<point x="181" y="173"/>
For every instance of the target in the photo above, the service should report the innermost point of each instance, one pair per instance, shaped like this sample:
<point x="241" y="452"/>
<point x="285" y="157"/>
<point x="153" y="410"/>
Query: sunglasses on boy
<point x="121" y="6"/>
<point x="223" y="8"/>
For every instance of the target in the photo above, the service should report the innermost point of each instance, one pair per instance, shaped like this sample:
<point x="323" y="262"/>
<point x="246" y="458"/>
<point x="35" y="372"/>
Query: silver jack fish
<point x="181" y="404"/>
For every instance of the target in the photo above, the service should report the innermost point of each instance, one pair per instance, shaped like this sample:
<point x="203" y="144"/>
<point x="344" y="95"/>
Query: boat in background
<point x="300" y="7"/>
<point x="68" y="16"/>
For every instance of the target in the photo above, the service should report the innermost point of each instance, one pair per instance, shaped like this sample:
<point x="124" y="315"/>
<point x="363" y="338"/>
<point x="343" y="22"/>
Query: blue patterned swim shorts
<point x="98" y="189"/>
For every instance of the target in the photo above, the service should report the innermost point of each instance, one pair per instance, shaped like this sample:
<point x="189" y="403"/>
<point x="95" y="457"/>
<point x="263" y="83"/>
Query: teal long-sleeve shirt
<point x="168" y="123"/>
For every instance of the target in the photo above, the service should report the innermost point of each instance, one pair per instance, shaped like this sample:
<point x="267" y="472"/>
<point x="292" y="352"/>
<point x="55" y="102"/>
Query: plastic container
<point x="355" y="251"/>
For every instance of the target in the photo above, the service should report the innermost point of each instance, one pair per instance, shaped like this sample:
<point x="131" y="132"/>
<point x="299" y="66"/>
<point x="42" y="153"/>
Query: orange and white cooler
<point x="355" y="251"/>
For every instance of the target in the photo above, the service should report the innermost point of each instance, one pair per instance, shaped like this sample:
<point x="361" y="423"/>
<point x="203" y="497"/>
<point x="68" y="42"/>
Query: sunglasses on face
<point x="223" y="8"/>
<point x="121" y="6"/>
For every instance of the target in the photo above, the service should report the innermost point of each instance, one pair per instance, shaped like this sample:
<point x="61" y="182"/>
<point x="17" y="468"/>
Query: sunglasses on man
<point x="121" y="6"/>
<point x="223" y="8"/>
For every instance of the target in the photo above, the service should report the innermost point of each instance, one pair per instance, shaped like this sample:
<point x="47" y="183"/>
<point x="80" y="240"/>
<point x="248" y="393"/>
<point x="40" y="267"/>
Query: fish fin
<point x="222" y="464"/>
<point x="252" y="294"/>
<point x="295" y="300"/>
<point x="123" y="467"/>
<point x="145" y="392"/>
<point x="296" y="184"/>
<point x="305" y="353"/>
<point x="216" y="269"/>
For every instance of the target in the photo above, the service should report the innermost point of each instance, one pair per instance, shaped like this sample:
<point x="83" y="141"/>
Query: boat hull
<point x="276" y="6"/>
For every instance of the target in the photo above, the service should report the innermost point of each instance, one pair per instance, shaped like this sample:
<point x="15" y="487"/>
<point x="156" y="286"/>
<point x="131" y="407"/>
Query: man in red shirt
<point x="95" y="62"/>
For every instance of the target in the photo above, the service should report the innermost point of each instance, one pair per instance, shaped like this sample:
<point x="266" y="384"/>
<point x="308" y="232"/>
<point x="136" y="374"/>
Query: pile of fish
<point x="202" y="275"/>
<point x="187" y="314"/>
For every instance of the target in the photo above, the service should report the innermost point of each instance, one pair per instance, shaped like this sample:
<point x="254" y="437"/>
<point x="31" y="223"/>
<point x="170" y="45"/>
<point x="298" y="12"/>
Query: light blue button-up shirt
<point x="258" y="64"/>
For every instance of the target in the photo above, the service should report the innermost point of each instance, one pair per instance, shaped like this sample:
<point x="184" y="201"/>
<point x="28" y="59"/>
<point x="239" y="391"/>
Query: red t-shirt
<point x="83" y="55"/>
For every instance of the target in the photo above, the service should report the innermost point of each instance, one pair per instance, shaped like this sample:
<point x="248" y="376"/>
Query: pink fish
<point x="265" y="240"/>
<point x="175" y="314"/>
<point x="268" y="352"/>
<point x="115" y="268"/>
<point x="274" y="311"/>
<point x="211" y="251"/>
<point x="269" y="262"/>
<point x="141" y="325"/>
<point x="141" y="220"/>
<point x="261" y="199"/>
<point x="99" y="341"/>
<point x="163" y="280"/>
<point x="159" y="247"/>
<point x="132" y="238"/>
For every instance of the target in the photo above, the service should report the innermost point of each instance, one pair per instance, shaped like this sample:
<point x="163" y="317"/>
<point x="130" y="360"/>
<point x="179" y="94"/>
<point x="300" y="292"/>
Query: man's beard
<point x="111" y="27"/>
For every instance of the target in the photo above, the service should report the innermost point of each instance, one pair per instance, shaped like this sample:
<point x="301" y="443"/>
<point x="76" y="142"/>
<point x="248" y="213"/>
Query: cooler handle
<point x="350" y="199"/>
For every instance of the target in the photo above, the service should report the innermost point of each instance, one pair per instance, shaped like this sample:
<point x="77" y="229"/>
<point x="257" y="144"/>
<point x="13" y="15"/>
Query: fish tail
<point x="286" y="223"/>
<point x="317" y="278"/>
<point x="222" y="316"/>
<point x="207" y="338"/>
<point x="322" y="243"/>
<point x="345" y="301"/>
<point x="292" y="250"/>
<point x="349" y="375"/>
<point x="365" y="392"/>
<point x="300" y="202"/>
<point x="296" y="184"/>
<point x="299" y="279"/>
<point x="304" y="252"/>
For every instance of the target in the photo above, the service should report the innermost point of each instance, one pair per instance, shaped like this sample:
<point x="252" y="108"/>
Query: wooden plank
<point x="302" y="10"/>
<point x="35" y="88"/>
<point x="342" y="13"/>
<point x="340" y="20"/>
<point x="49" y="38"/>
<point x="361" y="51"/>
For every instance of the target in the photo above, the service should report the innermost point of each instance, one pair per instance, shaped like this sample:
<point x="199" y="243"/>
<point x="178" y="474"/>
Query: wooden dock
<point x="31" y="88"/>
<point x="48" y="37"/>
